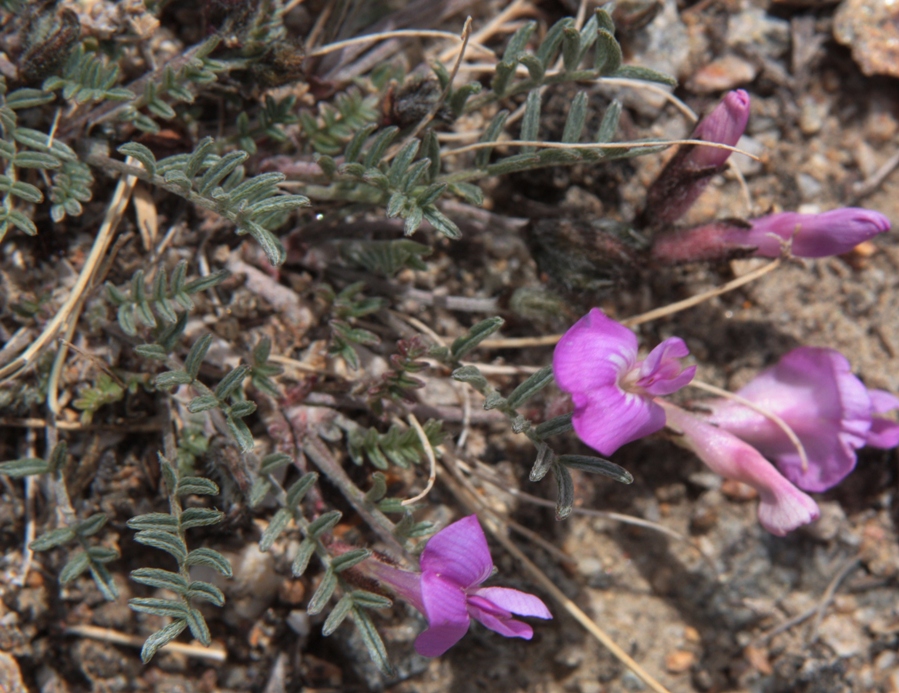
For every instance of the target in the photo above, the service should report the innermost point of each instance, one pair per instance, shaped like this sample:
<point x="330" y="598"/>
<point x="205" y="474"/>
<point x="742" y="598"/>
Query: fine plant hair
<point x="356" y="160"/>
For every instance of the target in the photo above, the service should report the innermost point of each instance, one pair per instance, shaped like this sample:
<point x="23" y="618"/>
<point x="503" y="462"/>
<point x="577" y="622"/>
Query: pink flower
<point x="448" y="590"/>
<point x="596" y="362"/>
<point x="782" y="506"/>
<point x="688" y="172"/>
<point x="884" y="432"/>
<point x="814" y="392"/>
<point x="809" y="235"/>
<point x="812" y="235"/>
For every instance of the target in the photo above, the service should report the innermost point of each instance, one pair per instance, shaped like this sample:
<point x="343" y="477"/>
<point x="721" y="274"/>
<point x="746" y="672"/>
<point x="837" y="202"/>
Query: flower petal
<point x="498" y="620"/>
<point x="725" y="124"/>
<point x="607" y="418"/>
<point x="594" y="353"/>
<point x="884" y="433"/>
<point x="459" y="553"/>
<point x="814" y="392"/>
<point x="782" y="506"/>
<point x="514" y="601"/>
<point x="661" y="373"/>
<point x="447" y="613"/>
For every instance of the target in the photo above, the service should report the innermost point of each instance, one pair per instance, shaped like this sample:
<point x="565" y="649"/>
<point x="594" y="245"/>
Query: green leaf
<point x="441" y="222"/>
<point x="378" y="489"/>
<point x="92" y="525"/>
<point x="475" y="336"/>
<point x="301" y="560"/>
<point x="402" y="161"/>
<point x="370" y="600"/>
<point x="157" y="522"/>
<point x="299" y="489"/>
<point x="565" y="491"/>
<point x="349" y="559"/>
<point x="531" y="387"/>
<point x="198" y="627"/>
<point x="200" y="517"/>
<point x="273" y="462"/>
<point x="196" y="355"/>
<point x="206" y="592"/>
<point x="596" y="465"/>
<point x="28" y="98"/>
<point x="241" y="433"/>
<point x="543" y="463"/>
<point x="491" y="134"/>
<point x="52" y="539"/>
<point x="258" y="491"/>
<point x="58" y="457"/>
<point x="471" y="375"/>
<point x="338" y="614"/>
<point x="161" y="638"/>
<point x="322" y="595"/>
<point x="530" y="123"/>
<point x="210" y="558"/>
<point x="323" y="524"/>
<point x="40" y="160"/>
<point x="197" y="485"/>
<point x="609" y="125"/>
<point x="24" y="467"/>
<point x="372" y="640"/>
<point x="379" y="146"/>
<point x="577" y="117"/>
<point x="158" y="607"/>
<point x="102" y="554"/>
<point x="164" y="541"/>
<point x="216" y="173"/>
<point x="75" y="567"/>
<point x="243" y="408"/>
<point x="171" y="379"/>
<point x="278" y="524"/>
<point x="645" y="74"/>
<point x="555" y="426"/>
<point x="202" y="403"/>
<point x="104" y="581"/>
<point x="163" y="579"/>
<point x="608" y="54"/>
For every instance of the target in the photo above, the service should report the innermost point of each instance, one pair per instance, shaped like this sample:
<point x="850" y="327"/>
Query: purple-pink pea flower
<point x="831" y="412"/>
<point x="596" y="362"/>
<point x="782" y="506"/>
<point x="688" y="172"/>
<point x="808" y="235"/>
<point x="448" y="590"/>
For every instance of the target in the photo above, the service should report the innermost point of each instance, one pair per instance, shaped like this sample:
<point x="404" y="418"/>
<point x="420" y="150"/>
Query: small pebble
<point x="679" y="661"/>
<point x="722" y="74"/>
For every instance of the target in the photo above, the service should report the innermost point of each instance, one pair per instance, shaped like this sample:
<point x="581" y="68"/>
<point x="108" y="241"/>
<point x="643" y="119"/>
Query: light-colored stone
<point x="725" y="73"/>
<point x="871" y="29"/>
<point x="842" y="634"/>
<point x="10" y="675"/>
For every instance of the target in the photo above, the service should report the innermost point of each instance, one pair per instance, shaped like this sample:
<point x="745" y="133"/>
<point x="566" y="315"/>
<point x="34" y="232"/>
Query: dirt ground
<point x="716" y="605"/>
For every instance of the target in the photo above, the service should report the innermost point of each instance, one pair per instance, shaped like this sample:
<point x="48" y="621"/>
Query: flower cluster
<point x="454" y="564"/>
<point x="812" y="392"/>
